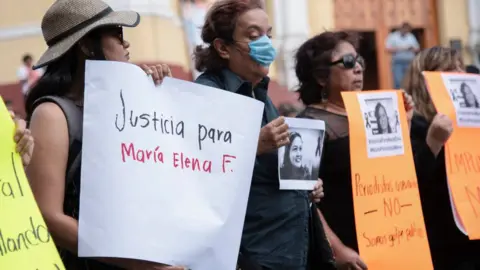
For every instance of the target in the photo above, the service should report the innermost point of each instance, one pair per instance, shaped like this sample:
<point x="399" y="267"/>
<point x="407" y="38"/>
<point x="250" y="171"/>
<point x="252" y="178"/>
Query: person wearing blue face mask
<point x="278" y="224"/>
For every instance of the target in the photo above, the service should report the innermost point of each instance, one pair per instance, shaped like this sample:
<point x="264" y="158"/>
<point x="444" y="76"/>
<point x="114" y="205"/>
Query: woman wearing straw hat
<point x="74" y="30"/>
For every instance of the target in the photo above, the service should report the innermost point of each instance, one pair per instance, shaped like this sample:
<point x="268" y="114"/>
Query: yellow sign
<point x="25" y="243"/>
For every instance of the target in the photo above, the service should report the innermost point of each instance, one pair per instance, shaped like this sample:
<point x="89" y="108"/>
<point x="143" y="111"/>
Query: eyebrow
<point x="258" y="28"/>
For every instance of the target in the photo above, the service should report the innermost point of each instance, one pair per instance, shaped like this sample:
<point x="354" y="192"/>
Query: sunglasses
<point x="114" y="31"/>
<point x="118" y="33"/>
<point x="349" y="61"/>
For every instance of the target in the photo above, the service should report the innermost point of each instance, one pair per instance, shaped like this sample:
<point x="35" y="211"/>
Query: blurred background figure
<point x="193" y="15"/>
<point x="403" y="46"/>
<point x="26" y="75"/>
<point x="288" y="110"/>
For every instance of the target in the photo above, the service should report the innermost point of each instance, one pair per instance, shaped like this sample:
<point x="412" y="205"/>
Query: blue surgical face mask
<point x="262" y="51"/>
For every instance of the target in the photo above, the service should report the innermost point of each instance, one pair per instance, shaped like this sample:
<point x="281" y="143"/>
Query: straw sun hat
<point x="67" y="21"/>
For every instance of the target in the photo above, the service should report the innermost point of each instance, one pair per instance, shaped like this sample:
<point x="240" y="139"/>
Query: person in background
<point x="54" y="108"/>
<point x="450" y="248"/>
<point x="472" y="69"/>
<point x="326" y="65"/>
<point x="288" y="110"/>
<point x="26" y="75"/>
<point x="237" y="58"/>
<point x="403" y="46"/>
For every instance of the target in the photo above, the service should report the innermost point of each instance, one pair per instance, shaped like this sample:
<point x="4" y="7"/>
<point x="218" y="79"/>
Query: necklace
<point x="331" y="107"/>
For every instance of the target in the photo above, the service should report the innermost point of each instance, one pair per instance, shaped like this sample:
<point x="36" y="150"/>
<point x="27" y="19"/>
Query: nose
<point x="126" y="44"/>
<point x="358" y="69"/>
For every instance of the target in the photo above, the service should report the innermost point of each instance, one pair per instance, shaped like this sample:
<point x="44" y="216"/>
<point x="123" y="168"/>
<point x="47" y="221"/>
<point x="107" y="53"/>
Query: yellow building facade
<point x="162" y="36"/>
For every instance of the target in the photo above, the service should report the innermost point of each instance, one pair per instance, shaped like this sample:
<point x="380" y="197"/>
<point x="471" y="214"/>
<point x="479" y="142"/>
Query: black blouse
<point x="337" y="205"/>
<point x="450" y="248"/>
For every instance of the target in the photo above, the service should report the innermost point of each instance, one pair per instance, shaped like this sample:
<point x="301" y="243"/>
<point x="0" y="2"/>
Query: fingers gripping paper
<point x="25" y="242"/>
<point x="457" y="96"/>
<point x="388" y="215"/>
<point x="166" y="171"/>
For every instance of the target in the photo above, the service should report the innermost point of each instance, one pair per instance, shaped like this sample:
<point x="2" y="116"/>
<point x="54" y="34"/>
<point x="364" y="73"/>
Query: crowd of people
<point x="236" y="57"/>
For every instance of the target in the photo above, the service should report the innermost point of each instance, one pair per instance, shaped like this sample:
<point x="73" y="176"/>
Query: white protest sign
<point x="166" y="171"/>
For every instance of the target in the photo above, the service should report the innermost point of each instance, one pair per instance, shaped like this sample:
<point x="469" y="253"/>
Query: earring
<point x="324" y="96"/>
<point x="92" y="53"/>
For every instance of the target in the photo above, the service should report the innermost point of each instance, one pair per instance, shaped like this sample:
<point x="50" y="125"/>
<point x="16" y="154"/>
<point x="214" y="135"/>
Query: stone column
<point x="473" y="7"/>
<point x="292" y="29"/>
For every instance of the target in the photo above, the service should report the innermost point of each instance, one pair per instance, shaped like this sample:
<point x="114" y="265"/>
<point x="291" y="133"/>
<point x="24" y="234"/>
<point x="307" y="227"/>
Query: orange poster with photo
<point x="457" y="96"/>
<point x="391" y="232"/>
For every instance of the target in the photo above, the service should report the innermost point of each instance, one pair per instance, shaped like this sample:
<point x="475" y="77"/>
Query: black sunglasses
<point x="114" y="31"/>
<point x="118" y="32"/>
<point x="349" y="60"/>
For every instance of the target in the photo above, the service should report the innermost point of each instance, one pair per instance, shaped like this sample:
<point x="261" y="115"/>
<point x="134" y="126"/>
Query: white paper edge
<point x="297" y="184"/>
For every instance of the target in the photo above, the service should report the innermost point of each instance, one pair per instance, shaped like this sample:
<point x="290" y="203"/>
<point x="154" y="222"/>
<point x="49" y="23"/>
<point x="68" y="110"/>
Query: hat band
<point x="79" y="26"/>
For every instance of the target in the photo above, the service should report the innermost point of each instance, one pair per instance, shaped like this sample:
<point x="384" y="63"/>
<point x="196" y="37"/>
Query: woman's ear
<point x="221" y="48"/>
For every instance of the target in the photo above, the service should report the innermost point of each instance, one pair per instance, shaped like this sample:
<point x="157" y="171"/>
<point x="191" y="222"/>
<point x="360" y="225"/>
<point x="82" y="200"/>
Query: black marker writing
<point x="158" y="122"/>
<point x="8" y="189"/>
<point x="35" y="235"/>
<point x="213" y="135"/>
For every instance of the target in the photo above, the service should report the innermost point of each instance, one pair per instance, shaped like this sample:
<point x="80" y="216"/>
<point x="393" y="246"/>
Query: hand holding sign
<point x="409" y="106"/>
<point x="317" y="193"/>
<point x="23" y="139"/>
<point x="273" y="136"/>
<point x="347" y="259"/>
<point x="158" y="72"/>
<point x="439" y="132"/>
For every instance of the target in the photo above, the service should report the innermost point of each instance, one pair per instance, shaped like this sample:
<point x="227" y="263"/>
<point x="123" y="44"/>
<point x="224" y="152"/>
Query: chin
<point x="263" y="70"/>
<point x="357" y="88"/>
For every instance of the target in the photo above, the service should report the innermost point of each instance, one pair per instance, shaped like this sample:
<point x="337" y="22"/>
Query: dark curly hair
<point x="220" y="23"/>
<point x="312" y="63"/>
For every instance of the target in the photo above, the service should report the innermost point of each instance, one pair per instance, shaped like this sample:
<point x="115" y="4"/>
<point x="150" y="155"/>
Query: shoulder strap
<point x="74" y="117"/>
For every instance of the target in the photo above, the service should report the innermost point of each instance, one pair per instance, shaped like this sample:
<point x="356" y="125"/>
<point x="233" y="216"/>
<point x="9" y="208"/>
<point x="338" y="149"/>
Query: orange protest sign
<point x="456" y="95"/>
<point x="391" y="232"/>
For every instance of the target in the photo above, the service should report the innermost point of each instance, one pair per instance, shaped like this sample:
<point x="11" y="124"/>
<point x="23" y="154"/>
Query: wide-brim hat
<point x="68" y="21"/>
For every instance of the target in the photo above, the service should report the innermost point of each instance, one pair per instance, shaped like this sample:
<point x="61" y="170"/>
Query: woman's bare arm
<point x="335" y="242"/>
<point x="46" y="172"/>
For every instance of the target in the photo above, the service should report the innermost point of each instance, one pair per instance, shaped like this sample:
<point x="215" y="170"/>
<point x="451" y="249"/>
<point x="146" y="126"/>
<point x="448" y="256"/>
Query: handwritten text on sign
<point x="25" y="242"/>
<point x="457" y="96"/>
<point x="168" y="168"/>
<point x="157" y="122"/>
<point x="385" y="188"/>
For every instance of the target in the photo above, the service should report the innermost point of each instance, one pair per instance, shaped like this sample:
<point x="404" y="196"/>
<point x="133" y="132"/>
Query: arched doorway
<point x="375" y="19"/>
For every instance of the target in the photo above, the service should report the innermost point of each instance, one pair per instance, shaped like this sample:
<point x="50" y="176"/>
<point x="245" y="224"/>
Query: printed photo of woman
<point x="293" y="167"/>
<point x="470" y="100"/>
<point x="383" y="125"/>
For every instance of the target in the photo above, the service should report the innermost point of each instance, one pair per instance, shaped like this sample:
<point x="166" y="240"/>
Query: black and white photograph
<point x="464" y="96"/>
<point x="299" y="161"/>
<point x="381" y="118"/>
<point x="382" y="123"/>
<point x="464" y="90"/>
